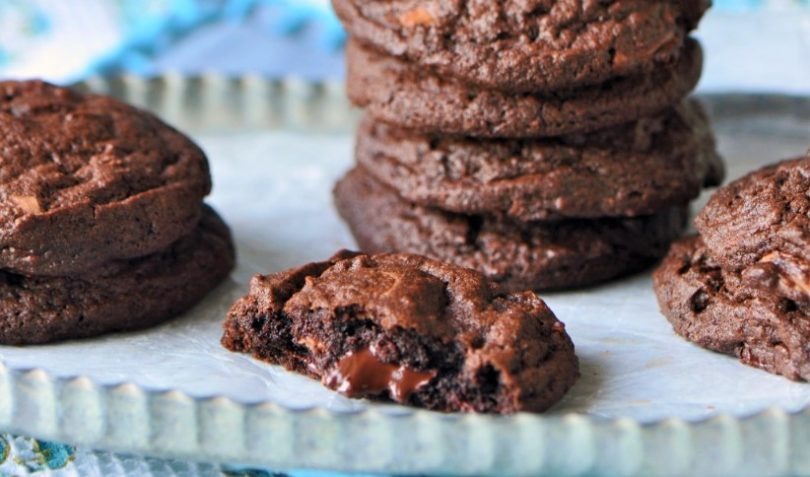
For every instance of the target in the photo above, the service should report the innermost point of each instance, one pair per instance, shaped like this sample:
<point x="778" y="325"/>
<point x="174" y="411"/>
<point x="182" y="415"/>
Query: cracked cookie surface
<point x="401" y="93"/>
<point x="516" y="255"/>
<point x="764" y="212"/>
<point x="121" y="295"/>
<point x="86" y="179"/>
<point x="631" y="170"/>
<point x="522" y="46"/>
<point x="730" y="312"/>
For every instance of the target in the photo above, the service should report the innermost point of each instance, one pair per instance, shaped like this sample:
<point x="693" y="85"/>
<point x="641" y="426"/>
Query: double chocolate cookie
<point x="743" y="287"/>
<point x="102" y="221"/>
<point x="517" y="255"/>
<point x="407" y="329"/>
<point x="631" y="170"/>
<point x="546" y="144"/>
<point x="764" y="212"/>
<point x="523" y="46"/>
<point x="401" y="93"/>
<point x="86" y="179"/>
<point x="725" y="311"/>
<point x="119" y="296"/>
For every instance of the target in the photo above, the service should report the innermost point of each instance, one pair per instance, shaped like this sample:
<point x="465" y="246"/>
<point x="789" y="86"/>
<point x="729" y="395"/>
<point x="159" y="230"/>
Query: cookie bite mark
<point x="407" y="329"/>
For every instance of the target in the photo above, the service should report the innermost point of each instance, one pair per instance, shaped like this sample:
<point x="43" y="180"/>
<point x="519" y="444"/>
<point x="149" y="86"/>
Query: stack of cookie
<point x="102" y="224"/>
<point x="743" y="286"/>
<point x="546" y="144"/>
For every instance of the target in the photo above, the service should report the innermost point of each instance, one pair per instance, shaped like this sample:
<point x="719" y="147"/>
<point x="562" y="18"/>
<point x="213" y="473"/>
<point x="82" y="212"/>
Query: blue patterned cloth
<point x="19" y="22"/>
<point x="48" y="38"/>
<point x="22" y="456"/>
<point x="150" y="36"/>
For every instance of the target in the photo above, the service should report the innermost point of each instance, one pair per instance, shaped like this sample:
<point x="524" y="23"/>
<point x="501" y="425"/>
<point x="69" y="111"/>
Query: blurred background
<point x="753" y="45"/>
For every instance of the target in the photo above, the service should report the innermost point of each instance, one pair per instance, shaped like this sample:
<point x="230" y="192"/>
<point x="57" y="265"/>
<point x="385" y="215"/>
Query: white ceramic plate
<point x="648" y="403"/>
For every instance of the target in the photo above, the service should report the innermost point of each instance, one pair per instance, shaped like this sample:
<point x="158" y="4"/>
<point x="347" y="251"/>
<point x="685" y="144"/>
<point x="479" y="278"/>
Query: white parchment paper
<point x="274" y="189"/>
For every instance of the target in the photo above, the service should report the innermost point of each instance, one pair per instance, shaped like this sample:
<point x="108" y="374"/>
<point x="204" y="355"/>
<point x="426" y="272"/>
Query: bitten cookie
<point x="635" y="169"/>
<point x="526" y="46"/>
<point x="119" y="296"/>
<point x="407" y="329"/>
<point x="519" y="256"/>
<point x="763" y="213"/>
<point x="400" y="93"/>
<point x="728" y="311"/>
<point x="86" y="179"/>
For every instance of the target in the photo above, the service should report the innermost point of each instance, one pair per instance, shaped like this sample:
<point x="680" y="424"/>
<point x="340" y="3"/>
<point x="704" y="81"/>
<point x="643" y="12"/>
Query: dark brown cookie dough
<point x="524" y="46"/>
<point x="86" y="179"/>
<point x="408" y="329"/>
<point x="766" y="211"/>
<point x="719" y="309"/>
<point x="406" y="95"/>
<point x="519" y="256"/>
<point x="120" y="296"/>
<point x="631" y="170"/>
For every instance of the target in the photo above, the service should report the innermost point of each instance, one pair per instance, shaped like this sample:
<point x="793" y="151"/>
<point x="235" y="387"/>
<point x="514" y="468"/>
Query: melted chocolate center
<point x="362" y="374"/>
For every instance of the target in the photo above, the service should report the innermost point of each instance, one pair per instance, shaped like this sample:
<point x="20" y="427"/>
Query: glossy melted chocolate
<point x="362" y="374"/>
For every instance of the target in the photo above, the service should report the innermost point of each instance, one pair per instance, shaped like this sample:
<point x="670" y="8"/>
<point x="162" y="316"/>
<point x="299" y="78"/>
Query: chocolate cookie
<point x="719" y="309"/>
<point x="526" y="46"/>
<point x="408" y="329"/>
<point x="122" y="295"/>
<point x="86" y="179"/>
<point x="764" y="212"/>
<point x="517" y="255"/>
<point x="412" y="97"/>
<point x="632" y="170"/>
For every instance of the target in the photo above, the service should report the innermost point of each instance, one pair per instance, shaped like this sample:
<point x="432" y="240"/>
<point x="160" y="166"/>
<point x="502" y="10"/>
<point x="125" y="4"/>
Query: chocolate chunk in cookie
<point x="524" y="46"/>
<point x="762" y="217"/>
<point x="730" y="312"/>
<point x="407" y="329"/>
<point x="517" y="255"/>
<point x="120" y="295"/>
<point x="781" y="274"/>
<point x="86" y="179"/>
<point x="401" y="93"/>
<point x="631" y="170"/>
